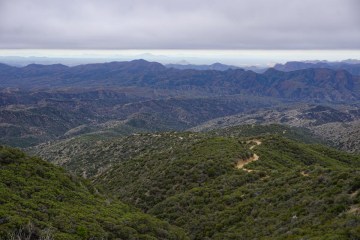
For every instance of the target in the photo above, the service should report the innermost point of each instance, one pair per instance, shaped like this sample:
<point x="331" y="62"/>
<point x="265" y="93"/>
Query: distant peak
<point x="271" y="71"/>
<point x="139" y="61"/>
<point x="144" y="62"/>
<point x="138" y="64"/>
<point x="32" y="65"/>
<point x="35" y="65"/>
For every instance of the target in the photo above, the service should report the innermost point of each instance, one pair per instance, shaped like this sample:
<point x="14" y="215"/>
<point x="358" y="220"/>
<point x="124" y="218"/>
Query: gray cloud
<point x="185" y="24"/>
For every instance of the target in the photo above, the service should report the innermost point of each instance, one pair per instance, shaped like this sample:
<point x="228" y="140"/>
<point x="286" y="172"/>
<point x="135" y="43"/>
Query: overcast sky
<point x="180" y="24"/>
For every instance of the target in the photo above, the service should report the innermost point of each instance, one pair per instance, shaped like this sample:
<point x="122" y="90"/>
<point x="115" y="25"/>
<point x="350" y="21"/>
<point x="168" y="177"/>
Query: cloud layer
<point x="185" y="24"/>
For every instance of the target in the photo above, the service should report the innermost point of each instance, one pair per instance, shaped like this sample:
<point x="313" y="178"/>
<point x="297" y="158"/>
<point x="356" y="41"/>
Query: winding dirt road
<point x="242" y="162"/>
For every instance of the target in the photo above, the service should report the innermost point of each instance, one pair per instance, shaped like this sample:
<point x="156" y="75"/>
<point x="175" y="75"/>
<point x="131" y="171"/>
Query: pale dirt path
<point x="304" y="174"/>
<point x="242" y="162"/>
<point x="257" y="142"/>
<point x="352" y="195"/>
<point x="354" y="209"/>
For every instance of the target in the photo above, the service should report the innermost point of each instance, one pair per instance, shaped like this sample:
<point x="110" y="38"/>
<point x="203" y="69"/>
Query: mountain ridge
<point x="352" y="67"/>
<point x="308" y="84"/>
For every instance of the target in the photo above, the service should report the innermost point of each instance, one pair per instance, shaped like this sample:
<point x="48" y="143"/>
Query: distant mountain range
<point x="352" y="66"/>
<point x="314" y="84"/>
<point x="40" y="103"/>
<point x="214" y="66"/>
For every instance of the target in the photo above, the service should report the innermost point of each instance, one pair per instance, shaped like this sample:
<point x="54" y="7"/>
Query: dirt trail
<point x="257" y="142"/>
<point x="352" y="195"/>
<point x="355" y="209"/>
<point x="304" y="173"/>
<point x="242" y="162"/>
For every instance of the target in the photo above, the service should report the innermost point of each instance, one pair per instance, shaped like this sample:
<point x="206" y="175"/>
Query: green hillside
<point x="40" y="200"/>
<point x="293" y="191"/>
<point x="246" y="182"/>
<point x="254" y="130"/>
<point x="91" y="154"/>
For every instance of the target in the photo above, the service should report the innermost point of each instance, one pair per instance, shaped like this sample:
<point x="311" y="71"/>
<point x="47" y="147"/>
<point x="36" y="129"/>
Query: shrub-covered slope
<point x="39" y="200"/>
<point x="293" y="191"/>
<point x="253" y="130"/>
<point x="89" y="155"/>
<point x="210" y="185"/>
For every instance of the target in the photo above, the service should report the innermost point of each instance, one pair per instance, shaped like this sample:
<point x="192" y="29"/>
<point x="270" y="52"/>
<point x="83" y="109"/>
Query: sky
<point x="198" y="26"/>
